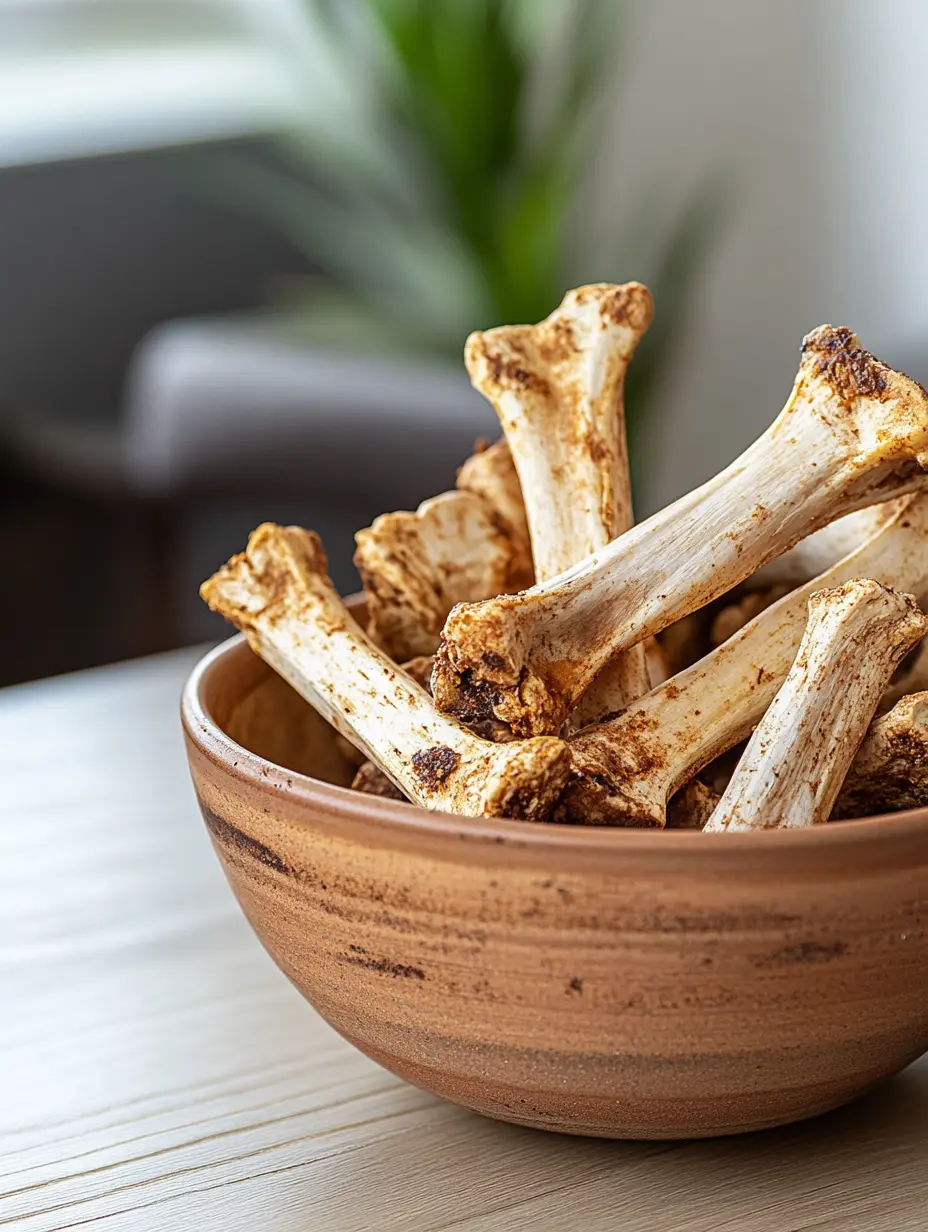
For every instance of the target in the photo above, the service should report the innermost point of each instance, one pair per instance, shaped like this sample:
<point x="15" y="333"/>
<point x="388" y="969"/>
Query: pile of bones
<point x="531" y="653"/>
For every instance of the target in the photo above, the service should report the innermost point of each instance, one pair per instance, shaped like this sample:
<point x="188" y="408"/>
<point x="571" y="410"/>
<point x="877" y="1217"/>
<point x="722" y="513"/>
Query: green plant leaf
<point x="439" y="194"/>
<point x="418" y="274"/>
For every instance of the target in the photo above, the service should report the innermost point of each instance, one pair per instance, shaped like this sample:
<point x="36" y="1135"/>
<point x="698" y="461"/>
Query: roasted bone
<point x="490" y="473"/>
<point x="557" y="388"/>
<point x="657" y="661"/>
<point x="686" y="641"/>
<point x="457" y="547"/>
<point x="277" y="592"/>
<point x="372" y="780"/>
<point x="818" y="552"/>
<point x="625" y="770"/>
<point x="912" y="677"/>
<point x="853" y="433"/>
<point x="692" y="806"/>
<point x="734" y="617"/>
<point x="795" y="762"/>
<point x="890" y="771"/>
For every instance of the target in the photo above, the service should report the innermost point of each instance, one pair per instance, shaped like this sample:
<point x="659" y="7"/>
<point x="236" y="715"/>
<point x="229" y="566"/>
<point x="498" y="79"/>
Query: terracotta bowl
<point x="622" y="983"/>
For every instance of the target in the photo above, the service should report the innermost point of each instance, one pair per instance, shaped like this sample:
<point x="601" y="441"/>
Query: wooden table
<point x="158" y="1072"/>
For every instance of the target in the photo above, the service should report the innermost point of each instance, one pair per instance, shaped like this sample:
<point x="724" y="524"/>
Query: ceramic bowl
<point x="621" y="983"/>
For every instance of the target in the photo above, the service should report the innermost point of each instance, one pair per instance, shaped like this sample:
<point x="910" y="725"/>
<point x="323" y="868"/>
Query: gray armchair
<point x="232" y="421"/>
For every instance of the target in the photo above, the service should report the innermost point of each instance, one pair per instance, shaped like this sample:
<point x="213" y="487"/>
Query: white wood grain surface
<point x="158" y="1072"/>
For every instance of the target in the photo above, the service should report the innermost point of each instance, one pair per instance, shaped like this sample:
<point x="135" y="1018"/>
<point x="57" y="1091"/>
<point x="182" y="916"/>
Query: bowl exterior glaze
<point x="617" y="983"/>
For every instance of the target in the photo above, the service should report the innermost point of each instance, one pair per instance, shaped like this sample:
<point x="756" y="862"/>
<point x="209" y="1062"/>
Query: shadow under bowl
<point x="619" y="983"/>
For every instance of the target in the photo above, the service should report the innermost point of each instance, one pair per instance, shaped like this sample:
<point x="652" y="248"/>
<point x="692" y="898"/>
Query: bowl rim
<point x="408" y="820"/>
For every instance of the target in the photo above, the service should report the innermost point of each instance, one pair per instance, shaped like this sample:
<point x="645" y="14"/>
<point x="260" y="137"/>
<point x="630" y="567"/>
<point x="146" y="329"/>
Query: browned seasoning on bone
<point x="435" y="765"/>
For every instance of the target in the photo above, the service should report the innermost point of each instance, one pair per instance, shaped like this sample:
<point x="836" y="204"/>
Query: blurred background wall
<point x="814" y="110"/>
<point x="153" y="406"/>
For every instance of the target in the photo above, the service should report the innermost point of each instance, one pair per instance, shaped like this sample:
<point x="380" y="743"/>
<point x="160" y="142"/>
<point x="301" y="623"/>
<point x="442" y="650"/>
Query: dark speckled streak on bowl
<point x="623" y="983"/>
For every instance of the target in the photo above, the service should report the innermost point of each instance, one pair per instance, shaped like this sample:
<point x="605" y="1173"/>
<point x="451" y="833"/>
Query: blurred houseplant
<point x="433" y="177"/>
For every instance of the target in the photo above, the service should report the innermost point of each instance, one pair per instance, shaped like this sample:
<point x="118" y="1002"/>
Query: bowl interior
<point x="263" y="714"/>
